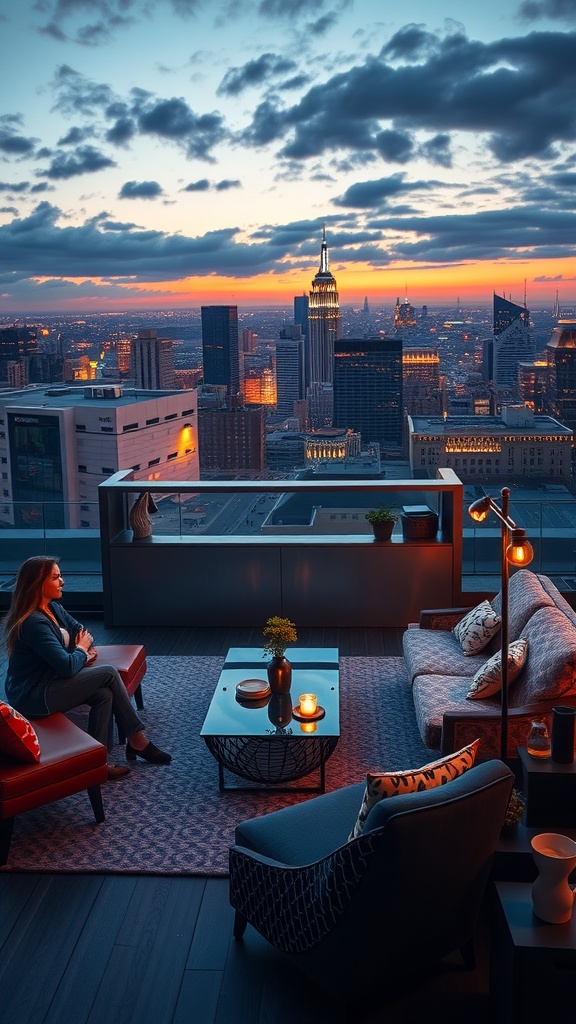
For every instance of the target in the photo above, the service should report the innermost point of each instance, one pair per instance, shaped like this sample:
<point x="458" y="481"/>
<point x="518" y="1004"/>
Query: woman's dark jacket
<point x="39" y="657"/>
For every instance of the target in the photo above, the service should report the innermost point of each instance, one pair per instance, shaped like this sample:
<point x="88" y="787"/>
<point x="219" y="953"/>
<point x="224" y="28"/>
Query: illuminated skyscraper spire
<point x="324" y="328"/>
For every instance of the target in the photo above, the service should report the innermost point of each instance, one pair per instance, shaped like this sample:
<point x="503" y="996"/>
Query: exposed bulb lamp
<point x="516" y="550"/>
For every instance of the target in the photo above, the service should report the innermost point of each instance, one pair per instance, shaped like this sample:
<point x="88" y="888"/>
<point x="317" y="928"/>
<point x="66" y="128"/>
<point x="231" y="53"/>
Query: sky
<point x="160" y="154"/>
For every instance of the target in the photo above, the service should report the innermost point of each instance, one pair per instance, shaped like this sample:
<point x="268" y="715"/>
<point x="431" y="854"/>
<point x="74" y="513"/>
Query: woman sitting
<point x="49" y="665"/>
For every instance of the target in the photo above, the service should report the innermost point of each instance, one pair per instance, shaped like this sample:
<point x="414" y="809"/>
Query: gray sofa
<point x="441" y="674"/>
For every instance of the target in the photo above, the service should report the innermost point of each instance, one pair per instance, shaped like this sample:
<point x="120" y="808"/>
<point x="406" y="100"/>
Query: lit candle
<point x="308" y="704"/>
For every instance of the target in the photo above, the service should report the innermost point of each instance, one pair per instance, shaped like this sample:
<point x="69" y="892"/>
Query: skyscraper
<point x="289" y="371"/>
<point x="368" y="388"/>
<point x="301" y="306"/>
<point x="513" y="342"/>
<point x="152" y="361"/>
<point x="324" y="327"/>
<point x="561" y="384"/>
<point x="220" y="347"/>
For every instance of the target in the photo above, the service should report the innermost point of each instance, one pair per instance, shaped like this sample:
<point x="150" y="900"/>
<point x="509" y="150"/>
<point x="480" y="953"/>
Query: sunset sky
<point x="166" y="153"/>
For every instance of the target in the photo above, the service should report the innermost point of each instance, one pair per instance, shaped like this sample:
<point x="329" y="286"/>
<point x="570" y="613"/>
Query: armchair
<point x="405" y="893"/>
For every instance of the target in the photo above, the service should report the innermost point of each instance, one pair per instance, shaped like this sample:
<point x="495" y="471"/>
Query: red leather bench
<point x="70" y="761"/>
<point x="130" y="662"/>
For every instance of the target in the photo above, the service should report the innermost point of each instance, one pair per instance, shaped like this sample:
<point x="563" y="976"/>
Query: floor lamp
<point x="516" y="550"/>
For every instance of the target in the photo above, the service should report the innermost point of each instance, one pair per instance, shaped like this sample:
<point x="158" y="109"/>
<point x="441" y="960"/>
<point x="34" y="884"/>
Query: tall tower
<point x="220" y="347"/>
<point x="289" y="370"/>
<point x="513" y="342"/>
<point x="301" y="305"/>
<point x="152" y="362"/>
<point x="324" y="327"/>
<point x="561" y="384"/>
<point x="368" y="388"/>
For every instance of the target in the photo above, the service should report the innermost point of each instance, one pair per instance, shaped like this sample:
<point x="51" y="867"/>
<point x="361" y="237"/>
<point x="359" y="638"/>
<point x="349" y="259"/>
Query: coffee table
<point x="261" y="741"/>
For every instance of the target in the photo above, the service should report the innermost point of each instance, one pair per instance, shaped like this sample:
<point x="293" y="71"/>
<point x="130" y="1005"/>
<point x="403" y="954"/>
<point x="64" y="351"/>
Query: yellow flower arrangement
<point x="279" y="633"/>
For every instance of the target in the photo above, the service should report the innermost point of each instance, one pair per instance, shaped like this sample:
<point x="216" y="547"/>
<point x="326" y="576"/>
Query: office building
<point x="152" y="361"/>
<point x="58" y="444"/>
<point x="368" y="388"/>
<point x="289" y="370"/>
<point x="533" y="385"/>
<point x="220" y="355"/>
<point x="513" y="342"/>
<point x="301" y="310"/>
<point x="231" y="440"/>
<point x="421" y="385"/>
<point x="517" y="445"/>
<point x="561" y="360"/>
<point x="324" y="329"/>
<point x="17" y="345"/>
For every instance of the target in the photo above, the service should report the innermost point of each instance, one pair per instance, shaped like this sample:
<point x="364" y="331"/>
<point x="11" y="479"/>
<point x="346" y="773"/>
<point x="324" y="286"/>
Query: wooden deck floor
<point x="105" y="949"/>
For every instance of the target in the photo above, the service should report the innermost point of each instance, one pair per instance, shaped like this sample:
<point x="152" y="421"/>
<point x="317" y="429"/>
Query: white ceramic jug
<point x="552" y="896"/>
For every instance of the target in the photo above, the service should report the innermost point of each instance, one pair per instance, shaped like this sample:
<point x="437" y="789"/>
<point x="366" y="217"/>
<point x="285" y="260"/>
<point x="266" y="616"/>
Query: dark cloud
<point x="394" y="147"/>
<point x="14" y="186"/>
<point x="121" y="131"/>
<point x="73" y="137"/>
<point x="173" y="119"/>
<point x="254" y="72"/>
<point x="227" y="183"/>
<point x="562" y="10"/>
<point x="140" y="190"/>
<point x="366" y="194"/>
<point x="197" y="186"/>
<point x="12" y="142"/>
<point x="437" y="150"/>
<point x="85" y="160"/>
<point x="518" y="93"/>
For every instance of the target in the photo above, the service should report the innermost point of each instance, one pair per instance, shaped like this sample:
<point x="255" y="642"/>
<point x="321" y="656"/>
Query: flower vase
<point x="555" y="858"/>
<point x="279" y="675"/>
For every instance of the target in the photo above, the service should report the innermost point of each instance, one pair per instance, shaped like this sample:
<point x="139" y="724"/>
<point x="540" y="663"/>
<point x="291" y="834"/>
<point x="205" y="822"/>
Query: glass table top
<point x="314" y="670"/>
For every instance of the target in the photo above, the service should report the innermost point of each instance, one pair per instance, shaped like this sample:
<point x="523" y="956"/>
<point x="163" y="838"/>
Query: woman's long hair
<point x="27" y="595"/>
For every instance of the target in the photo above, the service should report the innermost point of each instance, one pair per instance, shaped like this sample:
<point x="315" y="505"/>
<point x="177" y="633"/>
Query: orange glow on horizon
<point x="472" y="283"/>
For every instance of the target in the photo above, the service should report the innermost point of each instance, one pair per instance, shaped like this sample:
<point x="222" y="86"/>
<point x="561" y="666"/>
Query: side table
<point x="550" y="791"/>
<point x="532" y="964"/>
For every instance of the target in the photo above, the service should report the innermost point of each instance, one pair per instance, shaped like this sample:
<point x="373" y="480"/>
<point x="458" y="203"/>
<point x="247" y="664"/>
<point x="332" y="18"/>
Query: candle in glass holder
<point x="308" y="727"/>
<point x="308" y="704"/>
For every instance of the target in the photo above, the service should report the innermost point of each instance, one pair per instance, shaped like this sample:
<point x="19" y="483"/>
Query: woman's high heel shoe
<point x="151" y="753"/>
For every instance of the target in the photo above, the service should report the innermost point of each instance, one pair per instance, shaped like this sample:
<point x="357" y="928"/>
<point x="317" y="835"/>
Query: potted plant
<point x="279" y="633"/>
<point x="382" y="521"/>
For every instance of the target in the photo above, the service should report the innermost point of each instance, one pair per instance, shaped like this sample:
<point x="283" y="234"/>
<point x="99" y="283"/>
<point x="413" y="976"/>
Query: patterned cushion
<point x="18" y="738"/>
<point x="488" y="679"/>
<point x="551" y="668"/>
<point x="380" y="785"/>
<point x="477" y="628"/>
<point x="526" y="594"/>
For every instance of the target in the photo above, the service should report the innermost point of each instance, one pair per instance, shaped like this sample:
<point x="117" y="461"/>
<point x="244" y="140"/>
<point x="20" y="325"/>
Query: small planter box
<point x="419" y="522"/>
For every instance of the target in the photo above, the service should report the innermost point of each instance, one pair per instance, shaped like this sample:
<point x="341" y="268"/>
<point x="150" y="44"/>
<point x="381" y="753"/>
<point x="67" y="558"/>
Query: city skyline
<point x="170" y="153"/>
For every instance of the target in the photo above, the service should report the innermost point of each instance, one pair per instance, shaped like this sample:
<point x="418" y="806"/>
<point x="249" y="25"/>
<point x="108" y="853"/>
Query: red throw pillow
<point x="18" y="738"/>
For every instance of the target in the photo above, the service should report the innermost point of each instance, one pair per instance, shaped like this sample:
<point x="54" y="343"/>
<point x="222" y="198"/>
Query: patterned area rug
<point x="173" y="819"/>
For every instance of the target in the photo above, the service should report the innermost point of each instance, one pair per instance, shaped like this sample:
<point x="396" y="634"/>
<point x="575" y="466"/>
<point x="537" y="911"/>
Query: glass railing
<point x="68" y="530"/>
<point x="550" y="527"/>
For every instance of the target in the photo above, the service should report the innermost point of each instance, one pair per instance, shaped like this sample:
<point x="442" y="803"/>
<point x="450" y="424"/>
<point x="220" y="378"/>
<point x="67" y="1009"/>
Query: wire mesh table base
<point x="272" y="761"/>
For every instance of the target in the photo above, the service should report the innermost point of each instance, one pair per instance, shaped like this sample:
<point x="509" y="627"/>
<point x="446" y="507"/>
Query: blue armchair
<point x="404" y="894"/>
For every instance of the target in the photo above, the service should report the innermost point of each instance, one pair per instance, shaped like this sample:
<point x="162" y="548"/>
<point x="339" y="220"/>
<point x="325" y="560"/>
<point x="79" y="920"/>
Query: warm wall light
<point x="308" y="704"/>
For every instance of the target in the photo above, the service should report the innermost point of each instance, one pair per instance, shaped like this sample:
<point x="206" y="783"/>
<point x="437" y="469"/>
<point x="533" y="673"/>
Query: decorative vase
<point x="279" y="675"/>
<point x="555" y="858"/>
<point x="140" y="515"/>
<point x="382" y="531"/>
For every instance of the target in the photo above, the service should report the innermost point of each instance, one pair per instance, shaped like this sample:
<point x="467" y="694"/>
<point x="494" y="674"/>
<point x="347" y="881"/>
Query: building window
<point x="135" y="468"/>
<point x="187" y="412"/>
<point x="130" y="426"/>
<point x="154" y="462"/>
<point x="171" y="416"/>
<point x="155" y="419"/>
<point x="106" y="469"/>
<point x="3" y="461"/>
<point x="85" y="508"/>
<point x="107" y="430"/>
<point x="82" y="469"/>
<point x="84" y="522"/>
<point x="173" y="455"/>
<point x="80" y="426"/>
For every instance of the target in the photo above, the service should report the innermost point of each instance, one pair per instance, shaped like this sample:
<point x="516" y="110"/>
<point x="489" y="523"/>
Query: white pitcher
<point x="552" y="896"/>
